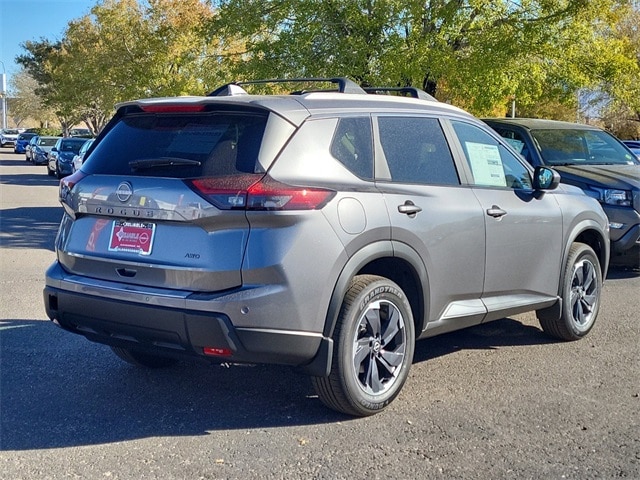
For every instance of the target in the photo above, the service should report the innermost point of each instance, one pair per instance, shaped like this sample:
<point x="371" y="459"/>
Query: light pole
<point x="3" y="84"/>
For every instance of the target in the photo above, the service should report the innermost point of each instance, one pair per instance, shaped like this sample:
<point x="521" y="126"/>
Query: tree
<point x="475" y="53"/>
<point x="26" y="103"/>
<point x="122" y="50"/>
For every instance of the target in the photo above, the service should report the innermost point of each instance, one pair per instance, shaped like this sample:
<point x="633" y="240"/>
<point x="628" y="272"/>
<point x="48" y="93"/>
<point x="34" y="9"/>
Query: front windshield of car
<point x="581" y="147"/>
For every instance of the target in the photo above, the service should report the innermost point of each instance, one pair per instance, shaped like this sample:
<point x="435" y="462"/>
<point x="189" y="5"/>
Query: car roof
<point x="296" y="108"/>
<point x="541" y="124"/>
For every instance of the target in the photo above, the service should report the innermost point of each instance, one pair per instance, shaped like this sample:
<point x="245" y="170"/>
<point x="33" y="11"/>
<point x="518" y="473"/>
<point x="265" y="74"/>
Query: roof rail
<point x="405" y="91"/>
<point x="344" y="84"/>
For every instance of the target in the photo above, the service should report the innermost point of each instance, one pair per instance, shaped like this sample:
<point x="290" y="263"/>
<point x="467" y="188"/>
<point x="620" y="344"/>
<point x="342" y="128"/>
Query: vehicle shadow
<point x="30" y="179"/>
<point x="59" y="390"/>
<point x="621" y="273"/>
<point x="30" y="227"/>
<point x="18" y="161"/>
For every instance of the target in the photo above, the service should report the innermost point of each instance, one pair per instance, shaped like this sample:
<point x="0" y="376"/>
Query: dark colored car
<point x="634" y="146"/>
<point x="592" y="159"/>
<point x="60" y="159"/>
<point x="40" y="148"/>
<point x="325" y="230"/>
<point x="22" y="142"/>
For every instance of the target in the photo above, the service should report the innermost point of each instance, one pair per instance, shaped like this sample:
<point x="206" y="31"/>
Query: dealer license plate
<point x="133" y="237"/>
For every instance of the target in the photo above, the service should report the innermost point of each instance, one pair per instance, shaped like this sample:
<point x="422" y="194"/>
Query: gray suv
<point x="326" y="230"/>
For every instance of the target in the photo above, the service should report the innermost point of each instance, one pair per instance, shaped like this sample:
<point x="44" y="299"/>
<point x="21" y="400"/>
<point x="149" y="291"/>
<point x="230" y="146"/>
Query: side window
<point x="417" y="151"/>
<point x="492" y="165"/>
<point x="352" y="146"/>
<point x="516" y="140"/>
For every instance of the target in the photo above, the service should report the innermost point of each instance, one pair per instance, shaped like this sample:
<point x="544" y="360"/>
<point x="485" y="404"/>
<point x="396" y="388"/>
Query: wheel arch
<point x="393" y="260"/>
<point x="589" y="233"/>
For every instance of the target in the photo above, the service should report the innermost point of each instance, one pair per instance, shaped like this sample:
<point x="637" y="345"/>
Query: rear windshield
<point x="180" y="145"/>
<point x="71" y="145"/>
<point x="48" y="141"/>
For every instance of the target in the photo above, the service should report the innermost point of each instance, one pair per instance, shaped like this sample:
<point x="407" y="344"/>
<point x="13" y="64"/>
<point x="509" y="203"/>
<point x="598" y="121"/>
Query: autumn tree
<point x="478" y="54"/>
<point x="126" y="49"/>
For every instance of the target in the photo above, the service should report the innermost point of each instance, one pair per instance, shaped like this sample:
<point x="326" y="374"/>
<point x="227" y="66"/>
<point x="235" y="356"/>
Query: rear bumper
<point x="154" y="326"/>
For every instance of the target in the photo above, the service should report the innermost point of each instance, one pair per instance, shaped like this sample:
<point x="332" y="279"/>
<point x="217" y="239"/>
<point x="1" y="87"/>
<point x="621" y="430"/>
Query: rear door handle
<point x="496" y="212"/>
<point x="409" y="208"/>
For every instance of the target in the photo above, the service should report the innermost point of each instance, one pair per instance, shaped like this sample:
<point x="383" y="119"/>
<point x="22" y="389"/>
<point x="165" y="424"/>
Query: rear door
<point x="432" y="213"/>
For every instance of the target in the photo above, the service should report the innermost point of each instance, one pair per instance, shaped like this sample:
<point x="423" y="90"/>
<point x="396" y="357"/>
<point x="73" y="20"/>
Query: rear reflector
<point x="217" y="352"/>
<point x="258" y="192"/>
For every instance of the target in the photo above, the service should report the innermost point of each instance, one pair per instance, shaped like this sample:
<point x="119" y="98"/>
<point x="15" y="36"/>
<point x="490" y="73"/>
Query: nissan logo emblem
<point x="124" y="191"/>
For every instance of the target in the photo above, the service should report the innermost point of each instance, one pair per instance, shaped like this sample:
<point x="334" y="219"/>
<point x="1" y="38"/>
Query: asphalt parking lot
<point x="500" y="400"/>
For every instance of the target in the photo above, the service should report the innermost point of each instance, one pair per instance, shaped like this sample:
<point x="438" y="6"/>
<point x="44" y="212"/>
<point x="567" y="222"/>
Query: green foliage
<point x="477" y="54"/>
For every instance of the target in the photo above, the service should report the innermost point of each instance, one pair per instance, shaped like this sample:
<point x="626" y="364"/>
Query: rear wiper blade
<point x="145" y="163"/>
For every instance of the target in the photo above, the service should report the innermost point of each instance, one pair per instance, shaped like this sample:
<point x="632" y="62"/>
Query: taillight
<point x="258" y="192"/>
<point x="67" y="183"/>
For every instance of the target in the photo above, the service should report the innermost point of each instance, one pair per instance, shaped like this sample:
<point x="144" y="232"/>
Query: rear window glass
<point x="71" y="145"/>
<point x="180" y="145"/>
<point x="48" y="142"/>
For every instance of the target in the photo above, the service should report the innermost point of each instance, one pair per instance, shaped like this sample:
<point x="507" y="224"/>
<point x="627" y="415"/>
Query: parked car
<point x="39" y="152"/>
<point x="79" y="158"/>
<point x="323" y="230"/>
<point x="22" y="142"/>
<point x="61" y="156"/>
<point x="8" y="137"/>
<point x="81" y="132"/>
<point x="28" y="149"/>
<point x="592" y="159"/>
<point x="634" y="146"/>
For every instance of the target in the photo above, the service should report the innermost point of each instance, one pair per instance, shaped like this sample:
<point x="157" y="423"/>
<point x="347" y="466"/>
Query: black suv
<point x="592" y="159"/>
<point x="326" y="230"/>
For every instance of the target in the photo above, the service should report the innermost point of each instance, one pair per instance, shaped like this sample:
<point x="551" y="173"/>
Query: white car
<point x="9" y="136"/>
<point x="79" y="158"/>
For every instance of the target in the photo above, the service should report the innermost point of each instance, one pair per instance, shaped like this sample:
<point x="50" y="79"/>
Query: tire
<point x="58" y="172"/>
<point x="581" y="289"/>
<point x="50" y="172"/>
<point x="373" y="348"/>
<point x="140" y="359"/>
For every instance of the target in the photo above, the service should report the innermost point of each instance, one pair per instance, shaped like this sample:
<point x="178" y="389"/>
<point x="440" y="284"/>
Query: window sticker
<point x="197" y="138"/>
<point x="486" y="164"/>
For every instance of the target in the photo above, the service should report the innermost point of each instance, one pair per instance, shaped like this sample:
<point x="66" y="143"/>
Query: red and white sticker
<point x="133" y="237"/>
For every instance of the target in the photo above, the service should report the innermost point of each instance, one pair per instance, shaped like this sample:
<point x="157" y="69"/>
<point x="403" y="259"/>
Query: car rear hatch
<point x="161" y="200"/>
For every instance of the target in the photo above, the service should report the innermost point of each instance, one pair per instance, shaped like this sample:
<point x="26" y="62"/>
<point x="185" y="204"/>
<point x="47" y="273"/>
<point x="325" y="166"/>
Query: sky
<point x="22" y="20"/>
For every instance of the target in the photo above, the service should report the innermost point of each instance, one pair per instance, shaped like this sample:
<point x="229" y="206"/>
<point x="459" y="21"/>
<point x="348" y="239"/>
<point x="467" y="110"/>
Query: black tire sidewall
<point x="378" y="289"/>
<point x="579" y="253"/>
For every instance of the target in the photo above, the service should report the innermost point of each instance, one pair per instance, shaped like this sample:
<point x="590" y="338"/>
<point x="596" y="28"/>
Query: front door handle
<point x="409" y="208"/>
<point x="496" y="212"/>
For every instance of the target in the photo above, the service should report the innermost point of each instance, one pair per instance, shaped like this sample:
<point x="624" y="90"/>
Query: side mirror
<point x="545" y="178"/>
<point x="54" y="149"/>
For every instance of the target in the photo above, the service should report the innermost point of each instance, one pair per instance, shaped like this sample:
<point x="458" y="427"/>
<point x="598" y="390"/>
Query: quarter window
<point x="491" y="164"/>
<point x="417" y="151"/>
<point x="352" y="146"/>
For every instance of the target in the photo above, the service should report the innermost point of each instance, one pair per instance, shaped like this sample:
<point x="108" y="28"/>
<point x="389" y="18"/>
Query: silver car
<point x="326" y="230"/>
